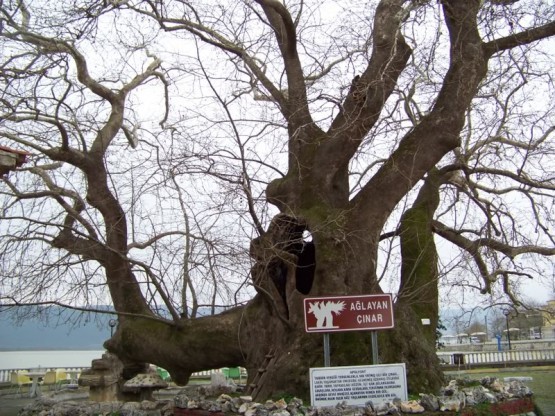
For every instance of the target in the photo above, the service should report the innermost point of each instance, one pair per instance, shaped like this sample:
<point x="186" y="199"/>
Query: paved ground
<point x="11" y="404"/>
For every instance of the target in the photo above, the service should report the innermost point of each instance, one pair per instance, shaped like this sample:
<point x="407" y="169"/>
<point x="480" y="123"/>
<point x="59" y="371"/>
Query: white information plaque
<point x="358" y="384"/>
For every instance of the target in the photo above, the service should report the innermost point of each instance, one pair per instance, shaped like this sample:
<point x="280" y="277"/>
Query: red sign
<point x="348" y="313"/>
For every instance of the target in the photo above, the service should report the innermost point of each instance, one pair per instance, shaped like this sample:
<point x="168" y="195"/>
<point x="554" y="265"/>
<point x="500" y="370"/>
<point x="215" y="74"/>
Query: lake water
<point x="48" y="359"/>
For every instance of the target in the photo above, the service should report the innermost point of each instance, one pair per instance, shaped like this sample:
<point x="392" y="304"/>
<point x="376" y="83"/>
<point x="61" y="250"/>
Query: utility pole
<point x="506" y="312"/>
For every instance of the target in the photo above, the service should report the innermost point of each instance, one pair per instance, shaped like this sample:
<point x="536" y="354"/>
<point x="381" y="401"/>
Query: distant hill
<point x="52" y="329"/>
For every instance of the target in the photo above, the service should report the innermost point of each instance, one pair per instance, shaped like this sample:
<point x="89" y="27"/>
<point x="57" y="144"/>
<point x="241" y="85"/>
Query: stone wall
<point x="464" y="397"/>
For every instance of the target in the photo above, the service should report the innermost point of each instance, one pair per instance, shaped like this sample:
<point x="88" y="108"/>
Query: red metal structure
<point x="10" y="159"/>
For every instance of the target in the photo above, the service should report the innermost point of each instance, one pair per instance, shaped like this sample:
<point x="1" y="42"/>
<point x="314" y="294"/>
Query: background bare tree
<point x="160" y="131"/>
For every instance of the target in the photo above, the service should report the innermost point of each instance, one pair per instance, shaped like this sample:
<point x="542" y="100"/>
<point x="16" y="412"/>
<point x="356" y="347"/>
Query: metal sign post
<point x="374" y="335"/>
<point x="327" y="350"/>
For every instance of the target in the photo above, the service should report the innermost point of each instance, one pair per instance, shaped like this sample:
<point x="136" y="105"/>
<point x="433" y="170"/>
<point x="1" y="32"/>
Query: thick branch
<point x="438" y="132"/>
<point x="522" y="38"/>
<point x="160" y="236"/>
<point x="369" y="91"/>
<point x="86" y="248"/>
<point x="473" y="246"/>
<point x="519" y="178"/>
<point x="158" y="285"/>
<point x="297" y="113"/>
<point x="195" y="345"/>
<point x="318" y="162"/>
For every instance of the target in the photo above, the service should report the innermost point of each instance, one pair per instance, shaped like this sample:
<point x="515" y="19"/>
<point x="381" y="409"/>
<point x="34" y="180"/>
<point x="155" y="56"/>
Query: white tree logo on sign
<point x="324" y="312"/>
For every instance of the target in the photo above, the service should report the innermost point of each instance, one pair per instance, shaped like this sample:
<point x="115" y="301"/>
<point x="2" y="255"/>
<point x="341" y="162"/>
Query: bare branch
<point x="521" y="38"/>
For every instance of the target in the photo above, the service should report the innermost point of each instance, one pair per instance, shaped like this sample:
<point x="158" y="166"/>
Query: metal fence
<point x="469" y="359"/>
<point x="5" y="375"/>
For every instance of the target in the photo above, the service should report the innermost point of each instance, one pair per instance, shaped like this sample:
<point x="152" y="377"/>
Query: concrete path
<point x="10" y="406"/>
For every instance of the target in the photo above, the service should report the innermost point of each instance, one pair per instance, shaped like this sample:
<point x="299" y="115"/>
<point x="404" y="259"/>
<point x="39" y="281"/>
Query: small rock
<point x="297" y="411"/>
<point x="451" y="405"/>
<point x="483" y="395"/>
<point x="167" y="409"/>
<point x="192" y="404"/>
<point x="281" y="404"/>
<point x="386" y="409"/>
<point x="270" y="405"/>
<point x="250" y="408"/>
<point x="369" y="409"/>
<point x="451" y="388"/>
<point x="518" y="389"/>
<point x="131" y="406"/>
<point x="486" y="381"/>
<point x="295" y="403"/>
<point x="280" y="412"/>
<point x="497" y="386"/>
<point x="180" y="401"/>
<point x="228" y="407"/>
<point x="223" y="398"/>
<point x="256" y="409"/>
<point x="429" y="402"/>
<point x="328" y="411"/>
<point x="211" y="406"/>
<point x="236" y="401"/>
<point x="411" y="406"/>
<point x="148" y="405"/>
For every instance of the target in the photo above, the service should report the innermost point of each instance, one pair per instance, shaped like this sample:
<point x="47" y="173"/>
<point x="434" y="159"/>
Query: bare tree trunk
<point x="267" y="336"/>
<point x="406" y="343"/>
<point x="413" y="340"/>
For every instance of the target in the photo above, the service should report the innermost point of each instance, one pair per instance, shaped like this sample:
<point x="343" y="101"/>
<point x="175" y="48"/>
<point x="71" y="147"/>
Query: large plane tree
<point x="319" y="131"/>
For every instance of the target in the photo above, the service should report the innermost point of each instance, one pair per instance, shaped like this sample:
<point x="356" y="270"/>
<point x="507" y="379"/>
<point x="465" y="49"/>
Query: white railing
<point x="205" y="374"/>
<point x="5" y="375"/>
<point x="497" y="357"/>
